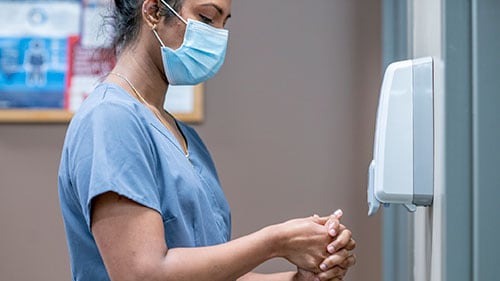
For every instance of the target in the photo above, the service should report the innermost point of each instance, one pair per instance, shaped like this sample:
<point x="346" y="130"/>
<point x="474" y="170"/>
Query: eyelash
<point x="206" y="19"/>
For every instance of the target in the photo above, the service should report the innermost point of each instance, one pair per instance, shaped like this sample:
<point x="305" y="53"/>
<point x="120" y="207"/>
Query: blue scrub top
<point x="114" y="143"/>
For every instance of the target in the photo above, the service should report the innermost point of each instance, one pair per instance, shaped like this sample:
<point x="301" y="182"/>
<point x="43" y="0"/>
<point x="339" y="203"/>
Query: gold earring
<point x="153" y="25"/>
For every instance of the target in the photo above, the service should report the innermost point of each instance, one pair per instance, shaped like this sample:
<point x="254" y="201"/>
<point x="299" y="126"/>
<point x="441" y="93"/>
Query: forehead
<point x="224" y="6"/>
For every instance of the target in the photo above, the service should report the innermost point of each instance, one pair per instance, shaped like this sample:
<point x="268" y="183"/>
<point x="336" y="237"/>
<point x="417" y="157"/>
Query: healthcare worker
<point x="138" y="190"/>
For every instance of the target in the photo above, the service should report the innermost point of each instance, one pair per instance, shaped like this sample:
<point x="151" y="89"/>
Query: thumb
<point x="338" y="214"/>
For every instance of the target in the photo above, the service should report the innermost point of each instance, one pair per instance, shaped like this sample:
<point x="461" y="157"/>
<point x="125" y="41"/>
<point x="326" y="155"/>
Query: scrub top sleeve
<point x="117" y="157"/>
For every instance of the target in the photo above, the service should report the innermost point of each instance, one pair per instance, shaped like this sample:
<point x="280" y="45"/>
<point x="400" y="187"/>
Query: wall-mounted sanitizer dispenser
<point x="402" y="169"/>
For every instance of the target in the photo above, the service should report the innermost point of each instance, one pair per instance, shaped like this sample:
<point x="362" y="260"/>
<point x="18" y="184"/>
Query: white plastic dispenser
<point x="402" y="169"/>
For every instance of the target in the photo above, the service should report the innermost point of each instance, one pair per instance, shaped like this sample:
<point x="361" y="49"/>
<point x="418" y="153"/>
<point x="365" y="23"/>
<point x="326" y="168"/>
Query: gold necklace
<point x="136" y="92"/>
<point x="143" y="101"/>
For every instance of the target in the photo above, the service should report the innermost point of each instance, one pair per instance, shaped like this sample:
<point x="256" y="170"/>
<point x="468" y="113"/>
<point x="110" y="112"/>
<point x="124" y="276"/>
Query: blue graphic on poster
<point x="33" y="72"/>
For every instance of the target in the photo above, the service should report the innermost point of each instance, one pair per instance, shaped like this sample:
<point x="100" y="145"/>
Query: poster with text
<point x="34" y="52"/>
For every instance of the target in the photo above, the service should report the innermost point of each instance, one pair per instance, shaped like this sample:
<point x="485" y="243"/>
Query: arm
<point x="300" y="275"/>
<point x="336" y="273"/>
<point x="131" y="241"/>
<point x="282" y="276"/>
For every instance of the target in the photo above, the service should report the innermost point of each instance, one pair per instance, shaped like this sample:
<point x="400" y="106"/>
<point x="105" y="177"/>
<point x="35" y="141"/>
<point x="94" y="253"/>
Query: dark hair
<point x="126" y="18"/>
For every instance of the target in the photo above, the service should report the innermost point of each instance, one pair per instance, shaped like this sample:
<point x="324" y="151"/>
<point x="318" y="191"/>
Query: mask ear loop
<point x="157" y="36"/>
<point x="173" y="11"/>
<point x="153" y="28"/>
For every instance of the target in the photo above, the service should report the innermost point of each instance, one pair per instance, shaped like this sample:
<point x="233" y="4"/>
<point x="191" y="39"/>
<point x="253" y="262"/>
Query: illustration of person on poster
<point x="35" y="64"/>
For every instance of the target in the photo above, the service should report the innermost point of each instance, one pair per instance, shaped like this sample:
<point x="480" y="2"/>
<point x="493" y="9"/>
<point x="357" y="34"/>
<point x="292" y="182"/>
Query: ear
<point x="150" y="13"/>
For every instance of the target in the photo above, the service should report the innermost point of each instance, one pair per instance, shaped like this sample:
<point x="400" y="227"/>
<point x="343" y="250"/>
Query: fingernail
<point x="332" y="232"/>
<point x="316" y="279"/>
<point x="331" y="249"/>
<point x="323" y="267"/>
<point x="338" y="213"/>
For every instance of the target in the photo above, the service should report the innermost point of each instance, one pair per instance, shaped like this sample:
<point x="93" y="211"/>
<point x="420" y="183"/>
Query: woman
<point x="138" y="190"/>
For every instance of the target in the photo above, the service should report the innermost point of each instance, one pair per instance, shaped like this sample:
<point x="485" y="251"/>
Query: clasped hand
<point x="323" y="250"/>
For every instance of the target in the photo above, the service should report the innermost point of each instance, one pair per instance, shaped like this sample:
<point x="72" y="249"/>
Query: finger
<point x="334" y="260"/>
<point x="342" y="239"/>
<point x="351" y="245"/>
<point x="334" y="221"/>
<point x="333" y="226"/>
<point x="350" y="261"/>
<point x="323" y="279"/>
<point x="320" y="220"/>
<point x="336" y="273"/>
<point x="338" y="214"/>
<point x="342" y="227"/>
<point x="330" y="279"/>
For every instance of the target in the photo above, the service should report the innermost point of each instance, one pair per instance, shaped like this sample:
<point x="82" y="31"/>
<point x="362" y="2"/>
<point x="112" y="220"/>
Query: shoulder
<point x="109" y="107"/>
<point x="110" y="101"/>
<point x="108" y="117"/>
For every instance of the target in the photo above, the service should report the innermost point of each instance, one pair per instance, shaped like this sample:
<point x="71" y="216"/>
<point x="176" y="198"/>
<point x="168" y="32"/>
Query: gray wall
<point x="289" y="122"/>
<point x="455" y="239"/>
<point x="425" y="40"/>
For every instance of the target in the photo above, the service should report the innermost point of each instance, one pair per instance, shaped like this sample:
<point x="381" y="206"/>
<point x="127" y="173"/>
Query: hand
<point x="338" y="264"/>
<point x="303" y="242"/>
<point x="335" y="274"/>
<point x="341" y="258"/>
<point x="344" y="237"/>
<point x="333" y="222"/>
<point x="304" y="275"/>
<point x="342" y="241"/>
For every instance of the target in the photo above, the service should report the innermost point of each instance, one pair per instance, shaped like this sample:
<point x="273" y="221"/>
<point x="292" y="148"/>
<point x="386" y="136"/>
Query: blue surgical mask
<point x="199" y="57"/>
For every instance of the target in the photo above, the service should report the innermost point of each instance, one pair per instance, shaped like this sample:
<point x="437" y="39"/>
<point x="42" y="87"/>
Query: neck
<point x="146" y="77"/>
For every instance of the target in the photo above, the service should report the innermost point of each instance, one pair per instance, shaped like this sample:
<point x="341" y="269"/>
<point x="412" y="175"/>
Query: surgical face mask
<point x="199" y="57"/>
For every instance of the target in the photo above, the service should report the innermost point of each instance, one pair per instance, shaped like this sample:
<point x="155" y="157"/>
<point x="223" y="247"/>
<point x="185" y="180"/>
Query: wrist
<point x="275" y="240"/>
<point x="301" y="275"/>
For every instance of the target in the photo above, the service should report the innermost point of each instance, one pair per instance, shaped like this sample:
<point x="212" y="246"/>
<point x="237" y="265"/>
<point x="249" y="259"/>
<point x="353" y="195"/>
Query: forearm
<point x="282" y="276"/>
<point x="223" y="262"/>
<point x="131" y="241"/>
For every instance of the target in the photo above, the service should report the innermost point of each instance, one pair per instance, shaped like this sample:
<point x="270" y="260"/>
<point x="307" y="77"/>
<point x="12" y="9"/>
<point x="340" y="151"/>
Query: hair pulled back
<point x="126" y="18"/>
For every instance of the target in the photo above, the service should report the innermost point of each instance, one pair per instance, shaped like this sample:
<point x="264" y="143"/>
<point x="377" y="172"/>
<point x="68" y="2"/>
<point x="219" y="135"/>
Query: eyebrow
<point x="218" y="8"/>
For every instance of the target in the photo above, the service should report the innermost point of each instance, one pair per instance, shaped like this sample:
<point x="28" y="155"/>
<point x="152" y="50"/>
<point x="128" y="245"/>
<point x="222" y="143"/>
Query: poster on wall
<point x="33" y="71"/>
<point x="33" y="53"/>
<point x="87" y="67"/>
